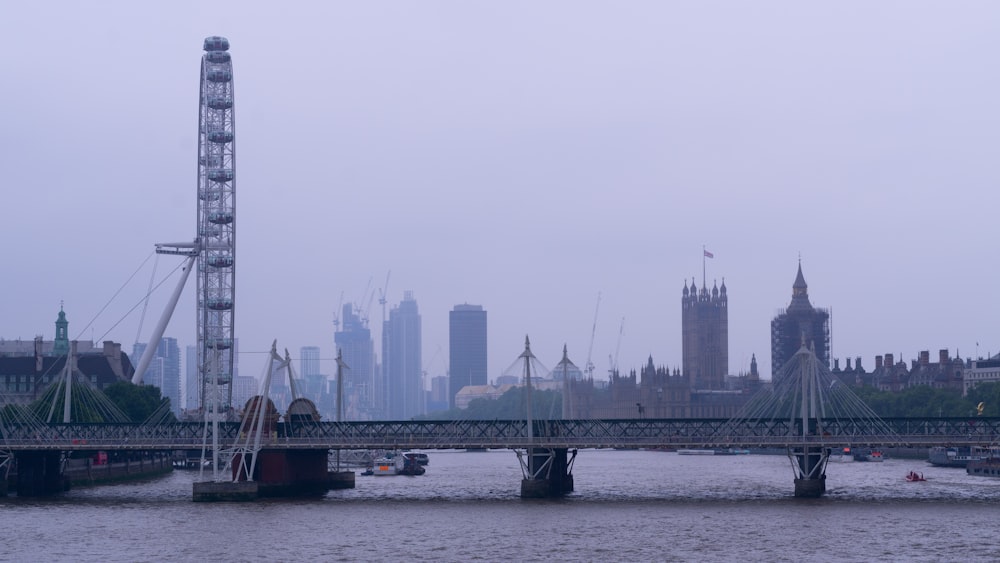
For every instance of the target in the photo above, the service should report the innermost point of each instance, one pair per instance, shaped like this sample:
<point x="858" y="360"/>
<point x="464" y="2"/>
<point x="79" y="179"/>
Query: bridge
<point x="513" y="434"/>
<point x="806" y="411"/>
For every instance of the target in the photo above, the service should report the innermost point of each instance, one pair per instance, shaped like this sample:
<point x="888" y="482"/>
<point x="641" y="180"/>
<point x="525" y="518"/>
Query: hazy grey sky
<point x="519" y="155"/>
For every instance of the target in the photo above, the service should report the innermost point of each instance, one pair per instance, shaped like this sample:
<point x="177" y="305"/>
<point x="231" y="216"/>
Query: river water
<point x="628" y="506"/>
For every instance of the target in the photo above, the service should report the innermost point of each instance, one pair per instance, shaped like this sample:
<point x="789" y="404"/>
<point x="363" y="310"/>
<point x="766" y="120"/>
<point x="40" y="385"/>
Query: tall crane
<point x="614" y="359"/>
<point x="589" y="366"/>
<point x="381" y="293"/>
<point x="336" y="313"/>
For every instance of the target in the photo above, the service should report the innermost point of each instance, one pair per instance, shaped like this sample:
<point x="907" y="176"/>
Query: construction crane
<point x="336" y="313"/>
<point x="363" y="313"/>
<point x="382" y="292"/>
<point x="589" y="366"/>
<point x="614" y="359"/>
<point x="368" y="306"/>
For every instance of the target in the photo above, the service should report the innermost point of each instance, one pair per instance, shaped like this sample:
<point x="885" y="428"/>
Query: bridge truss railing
<point x="511" y="434"/>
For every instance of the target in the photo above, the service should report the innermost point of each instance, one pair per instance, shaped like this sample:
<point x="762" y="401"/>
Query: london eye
<point x="214" y="248"/>
<point x="216" y="225"/>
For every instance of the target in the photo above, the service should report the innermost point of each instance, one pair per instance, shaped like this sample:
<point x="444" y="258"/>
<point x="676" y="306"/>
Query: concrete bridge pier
<point x="39" y="473"/>
<point x="547" y="472"/>
<point x="809" y="464"/>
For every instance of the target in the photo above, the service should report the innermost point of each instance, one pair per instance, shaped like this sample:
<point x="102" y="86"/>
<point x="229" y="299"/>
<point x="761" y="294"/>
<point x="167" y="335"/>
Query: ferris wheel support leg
<point x="154" y="341"/>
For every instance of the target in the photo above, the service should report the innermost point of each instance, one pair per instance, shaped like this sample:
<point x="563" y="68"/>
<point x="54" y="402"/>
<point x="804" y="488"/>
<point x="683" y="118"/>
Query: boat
<point x="942" y="456"/>
<point x="717" y="451"/>
<point x="844" y="456"/>
<point x="732" y="451"/>
<point x="385" y="465"/>
<point x="870" y="455"/>
<point x="398" y="464"/>
<point x="421" y="457"/>
<point x="914" y="477"/>
<point x="411" y="464"/>
<point x="987" y="466"/>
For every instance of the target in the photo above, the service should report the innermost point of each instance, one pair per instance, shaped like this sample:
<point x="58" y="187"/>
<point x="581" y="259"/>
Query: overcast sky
<point x="519" y="155"/>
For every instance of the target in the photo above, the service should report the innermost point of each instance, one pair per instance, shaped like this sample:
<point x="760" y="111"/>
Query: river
<point x="627" y="506"/>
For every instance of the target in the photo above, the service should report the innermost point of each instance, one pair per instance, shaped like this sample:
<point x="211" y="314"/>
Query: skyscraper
<point x="466" y="348"/>
<point x="705" y="335"/>
<point x="354" y="341"/>
<point x="799" y="325"/>
<point x="404" y="387"/>
<point x="164" y="371"/>
<point x="313" y="380"/>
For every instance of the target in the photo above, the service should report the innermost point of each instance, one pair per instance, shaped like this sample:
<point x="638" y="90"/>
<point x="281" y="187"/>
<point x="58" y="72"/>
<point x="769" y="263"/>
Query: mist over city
<point x="523" y="158"/>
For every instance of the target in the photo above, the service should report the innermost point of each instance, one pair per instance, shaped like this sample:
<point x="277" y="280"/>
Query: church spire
<point x="799" y="287"/>
<point x="60" y="346"/>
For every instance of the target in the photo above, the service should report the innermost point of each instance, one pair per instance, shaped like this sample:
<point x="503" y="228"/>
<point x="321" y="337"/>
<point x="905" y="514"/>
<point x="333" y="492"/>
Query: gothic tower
<point x="799" y="325"/>
<point x="705" y="335"/>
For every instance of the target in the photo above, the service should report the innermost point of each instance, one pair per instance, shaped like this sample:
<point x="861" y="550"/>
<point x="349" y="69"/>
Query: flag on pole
<point x="708" y="254"/>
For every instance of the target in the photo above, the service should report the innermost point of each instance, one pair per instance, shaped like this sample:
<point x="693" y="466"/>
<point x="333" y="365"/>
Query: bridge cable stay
<point x="808" y="404"/>
<point x="259" y="415"/>
<point x="563" y="368"/>
<point x="18" y="423"/>
<point x="79" y="398"/>
<point x="803" y="390"/>
<point x="535" y="464"/>
<point x="341" y="366"/>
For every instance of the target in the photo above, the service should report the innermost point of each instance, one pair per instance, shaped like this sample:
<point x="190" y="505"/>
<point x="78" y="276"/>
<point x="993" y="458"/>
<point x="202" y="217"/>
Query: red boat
<point x="915" y="477"/>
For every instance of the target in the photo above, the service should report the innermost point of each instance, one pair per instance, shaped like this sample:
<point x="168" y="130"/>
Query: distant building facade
<point x="981" y="371"/>
<point x="164" y="370"/>
<point x="799" y="325"/>
<point x="354" y="341"/>
<point x="466" y="348"/>
<point x="470" y="393"/>
<point x="404" y="388"/>
<point x="27" y="368"/>
<point x="705" y="335"/>
<point x="657" y="392"/>
<point x="313" y="380"/>
<point x="891" y="375"/>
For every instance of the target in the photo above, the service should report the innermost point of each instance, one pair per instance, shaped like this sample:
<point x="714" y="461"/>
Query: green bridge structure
<point x="806" y="412"/>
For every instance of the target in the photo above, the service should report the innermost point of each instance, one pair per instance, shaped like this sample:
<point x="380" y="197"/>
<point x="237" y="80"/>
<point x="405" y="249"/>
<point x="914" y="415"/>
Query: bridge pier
<point x="809" y="464"/>
<point x="39" y="473"/>
<point x="547" y="472"/>
<point x="277" y="473"/>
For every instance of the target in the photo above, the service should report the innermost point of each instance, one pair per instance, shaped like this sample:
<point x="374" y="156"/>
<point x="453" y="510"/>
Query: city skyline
<point x="600" y="152"/>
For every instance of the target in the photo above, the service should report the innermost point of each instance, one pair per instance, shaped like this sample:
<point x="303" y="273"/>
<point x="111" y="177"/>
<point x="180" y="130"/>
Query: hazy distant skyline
<point x="521" y="156"/>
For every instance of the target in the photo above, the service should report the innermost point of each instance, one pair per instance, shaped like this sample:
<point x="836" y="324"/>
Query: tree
<point x="138" y="402"/>
<point x="509" y="406"/>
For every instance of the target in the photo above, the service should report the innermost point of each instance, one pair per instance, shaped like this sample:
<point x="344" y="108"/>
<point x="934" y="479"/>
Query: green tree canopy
<point x="509" y="406"/>
<point x="138" y="402"/>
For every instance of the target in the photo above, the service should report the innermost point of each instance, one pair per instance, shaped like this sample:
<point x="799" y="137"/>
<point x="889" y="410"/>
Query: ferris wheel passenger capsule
<point x="216" y="43"/>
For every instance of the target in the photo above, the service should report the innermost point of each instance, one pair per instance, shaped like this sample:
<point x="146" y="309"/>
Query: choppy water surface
<point x="628" y="505"/>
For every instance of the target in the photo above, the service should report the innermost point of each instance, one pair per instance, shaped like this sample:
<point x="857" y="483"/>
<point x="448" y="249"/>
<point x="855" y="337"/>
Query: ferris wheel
<point x="214" y="249"/>
<point x="216" y="225"/>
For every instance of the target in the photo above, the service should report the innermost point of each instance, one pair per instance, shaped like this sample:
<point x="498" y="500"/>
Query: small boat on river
<point x="914" y="477"/>
<point x="398" y="464"/>
<point x="871" y="455"/>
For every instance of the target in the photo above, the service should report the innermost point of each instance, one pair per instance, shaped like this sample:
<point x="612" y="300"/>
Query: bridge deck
<point x="513" y="434"/>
